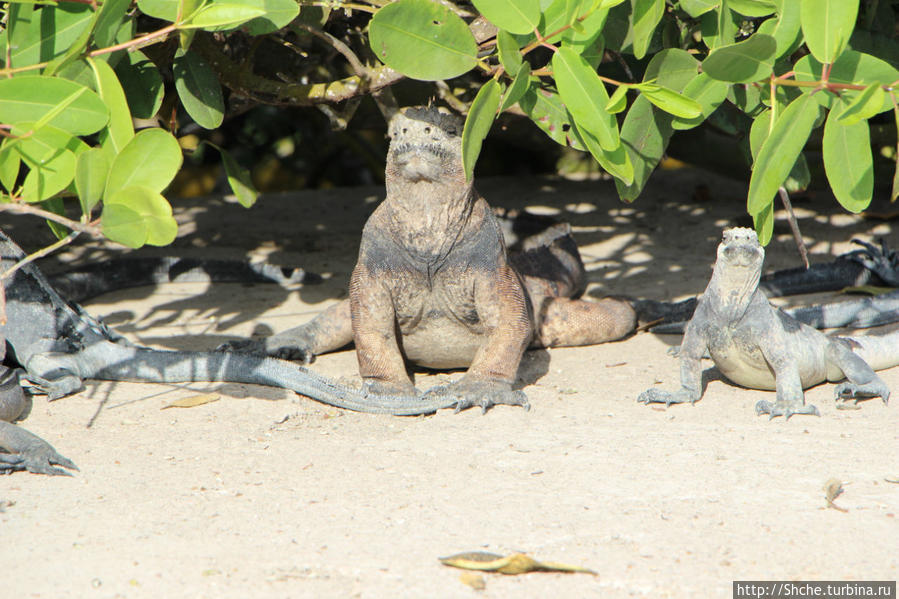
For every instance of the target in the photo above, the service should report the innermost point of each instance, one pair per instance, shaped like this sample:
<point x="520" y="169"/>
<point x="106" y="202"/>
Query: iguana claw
<point x="36" y="456"/>
<point x="847" y="390"/>
<point x="479" y="393"/>
<point x="784" y="409"/>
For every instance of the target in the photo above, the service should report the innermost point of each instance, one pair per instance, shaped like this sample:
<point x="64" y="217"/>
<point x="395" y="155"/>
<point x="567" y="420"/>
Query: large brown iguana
<point x="435" y="286"/>
<point x="757" y="345"/>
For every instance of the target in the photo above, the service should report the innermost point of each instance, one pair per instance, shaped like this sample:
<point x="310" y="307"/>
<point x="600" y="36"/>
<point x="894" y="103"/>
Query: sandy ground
<point x="264" y="493"/>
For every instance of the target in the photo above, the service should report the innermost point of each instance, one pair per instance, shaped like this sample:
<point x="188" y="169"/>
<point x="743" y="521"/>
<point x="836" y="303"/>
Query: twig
<point x="40" y="254"/>
<point x="794" y="226"/>
<point x="21" y="208"/>
<point x="360" y="69"/>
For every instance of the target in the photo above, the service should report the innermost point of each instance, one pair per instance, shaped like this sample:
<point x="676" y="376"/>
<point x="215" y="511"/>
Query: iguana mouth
<point x="421" y="162"/>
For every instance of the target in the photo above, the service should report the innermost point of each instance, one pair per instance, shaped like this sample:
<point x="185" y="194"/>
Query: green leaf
<point x="784" y="27"/>
<point x="38" y="145"/>
<point x="719" y="28"/>
<point x="851" y="67"/>
<point x="477" y="124"/>
<point x="49" y="177"/>
<point x="799" y="177"/>
<point x="142" y="84"/>
<point x="120" y="130"/>
<point x="518" y="88"/>
<point x="646" y="16"/>
<point x="111" y="14"/>
<point x="238" y="179"/>
<point x="91" y="169"/>
<point x="697" y="8"/>
<point x="509" y="54"/>
<point x="864" y="106"/>
<point x="585" y="97"/>
<point x="78" y="47"/>
<point x="764" y="223"/>
<point x="423" y="40"/>
<point x="278" y="14"/>
<point x="49" y="33"/>
<point x="709" y="93"/>
<point x="221" y="14"/>
<point x="56" y="206"/>
<point x="151" y="159"/>
<point x="618" y="101"/>
<point x="670" y="101"/>
<point x="780" y="150"/>
<point x="848" y="162"/>
<point x="561" y="13"/>
<point x="827" y="26"/>
<point x="672" y="68"/>
<point x="589" y="43"/>
<point x="546" y="110"/>
<point x="137" y="215"/>
<point x="167" y="10"/>
<point x="644" y="134"/>
<point x="124" y="225"/>
<point x="743" y="62"/>
<point x="199" y="89"/>
<point x="752" y="8"/>
<point x="617" y="162"/>
<point x="32" y="97"/>
<point x="10" y="164"/>
<point x="515" y="16"/>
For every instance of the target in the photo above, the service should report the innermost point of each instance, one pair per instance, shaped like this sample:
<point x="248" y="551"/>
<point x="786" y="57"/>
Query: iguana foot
<point x="259" y="347"/>
<point x="666" y="397"/>
<point x="785" y="409"/>
<point x="34" y="455"/>
<point x="479" y="393"/>
<point x="847" y="390"/>
<point x="53" y="388"/>
<point x="882" y="261"/>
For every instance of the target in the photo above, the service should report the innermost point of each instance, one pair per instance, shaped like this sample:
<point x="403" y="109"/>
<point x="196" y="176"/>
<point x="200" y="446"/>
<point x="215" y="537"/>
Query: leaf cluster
<point x="89" y="88"/>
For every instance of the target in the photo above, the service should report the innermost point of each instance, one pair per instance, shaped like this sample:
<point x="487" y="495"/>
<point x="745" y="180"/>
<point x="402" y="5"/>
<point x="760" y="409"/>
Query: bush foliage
<point x="613" y="78"/>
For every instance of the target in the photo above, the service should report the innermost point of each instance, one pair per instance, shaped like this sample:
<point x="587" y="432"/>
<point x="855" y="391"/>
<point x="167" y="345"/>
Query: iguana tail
<point x="879" y="351"/>
<point x="130" y="363"/>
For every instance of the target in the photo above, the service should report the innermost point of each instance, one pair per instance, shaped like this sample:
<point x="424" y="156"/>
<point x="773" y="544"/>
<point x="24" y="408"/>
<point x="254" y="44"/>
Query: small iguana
<point x="435" y="286"/>
<point x="758" y="346"/>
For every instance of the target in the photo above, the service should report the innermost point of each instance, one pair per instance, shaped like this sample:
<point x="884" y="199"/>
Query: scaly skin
<point x="435" y="286"/>
<point x="758" y="346"/>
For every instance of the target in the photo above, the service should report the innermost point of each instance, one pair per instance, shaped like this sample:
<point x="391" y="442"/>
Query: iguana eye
<point x="427" y="130"/>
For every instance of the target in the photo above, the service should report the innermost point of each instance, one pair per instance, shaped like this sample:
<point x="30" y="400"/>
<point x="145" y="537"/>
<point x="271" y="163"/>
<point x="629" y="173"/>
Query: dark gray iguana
<point x="758" y="346"/>
<point x="56" y="345"/>
<point x="435" y="286"/>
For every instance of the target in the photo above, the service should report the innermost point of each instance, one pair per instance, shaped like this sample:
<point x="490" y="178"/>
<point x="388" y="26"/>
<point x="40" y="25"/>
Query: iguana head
<point x="737" y="270"/>
<point x="740" y="248"/>
<point x="425" y="145"/>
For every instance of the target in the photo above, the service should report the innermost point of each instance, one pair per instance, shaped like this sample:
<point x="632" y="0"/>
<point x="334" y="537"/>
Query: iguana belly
<point x="739" y="368"/>
<point x="741" y="361"/>
<point x="443" y="344"/>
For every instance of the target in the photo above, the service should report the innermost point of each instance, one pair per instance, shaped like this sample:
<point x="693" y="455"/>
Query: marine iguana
<point x="55" y="345"/>
<point x="434" y="284"/>
<point x="758" y="346"/>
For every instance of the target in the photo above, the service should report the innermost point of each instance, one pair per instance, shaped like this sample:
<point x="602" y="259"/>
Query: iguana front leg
<point x="691" y="351"/>
<point x="381" y="363"/>
<point x="502" y="309"/>
<point x="790" y="398"/>
<point x="329" y="331"/>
